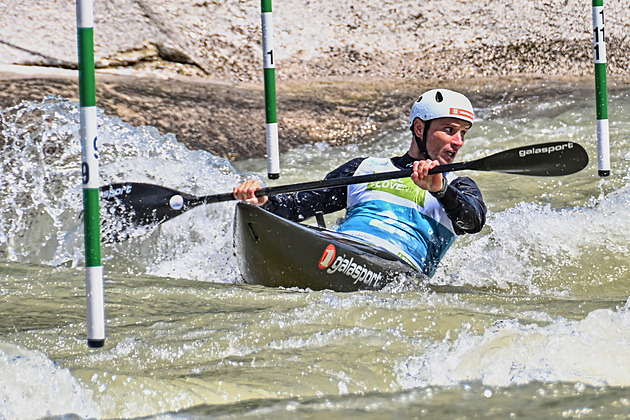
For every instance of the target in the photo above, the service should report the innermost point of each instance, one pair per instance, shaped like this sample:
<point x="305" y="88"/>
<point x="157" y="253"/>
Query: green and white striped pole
<point x="269" y="68"/>
<point x="601" y="94"/>
<point x="90" y="176"/>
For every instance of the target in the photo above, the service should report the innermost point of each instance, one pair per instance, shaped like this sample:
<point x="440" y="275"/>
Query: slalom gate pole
<point x="90" y="176"/>
<point x="601" y="94"/>
<point x="269" y="69"/>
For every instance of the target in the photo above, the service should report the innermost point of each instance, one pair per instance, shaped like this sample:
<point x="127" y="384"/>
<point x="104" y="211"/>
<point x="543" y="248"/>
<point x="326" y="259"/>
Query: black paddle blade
<point x="546" y="159"/>
<point x="130" y="204"/>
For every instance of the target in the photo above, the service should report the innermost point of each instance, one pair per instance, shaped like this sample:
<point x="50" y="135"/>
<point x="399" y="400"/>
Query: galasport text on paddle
<point x="140" y="204"/>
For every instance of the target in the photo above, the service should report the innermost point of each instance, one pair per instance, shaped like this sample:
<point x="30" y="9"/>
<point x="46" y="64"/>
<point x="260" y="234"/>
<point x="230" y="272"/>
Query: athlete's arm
<point x="463" y="203"/>
<point x="304" y="204"/>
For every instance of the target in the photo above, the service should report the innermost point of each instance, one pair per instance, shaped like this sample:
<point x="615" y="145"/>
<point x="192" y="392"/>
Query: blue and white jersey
<point x="399" y="216"/>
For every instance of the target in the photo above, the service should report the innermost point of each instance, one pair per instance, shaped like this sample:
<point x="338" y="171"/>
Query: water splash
<point x="33" y="386"/>
<point x="536" y="249"/>
<point x="41" y="192"/>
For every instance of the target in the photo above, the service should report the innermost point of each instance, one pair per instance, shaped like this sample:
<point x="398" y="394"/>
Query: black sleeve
<point x="304" y="204"/>
<point x="464" y="205"/>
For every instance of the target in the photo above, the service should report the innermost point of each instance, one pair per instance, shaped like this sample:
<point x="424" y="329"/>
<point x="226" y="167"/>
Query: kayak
<point x="276" y="252"/>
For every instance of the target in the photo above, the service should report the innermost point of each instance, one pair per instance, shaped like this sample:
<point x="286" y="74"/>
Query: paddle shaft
<point x="548" y="159"/>
<point x="327" y="183"/>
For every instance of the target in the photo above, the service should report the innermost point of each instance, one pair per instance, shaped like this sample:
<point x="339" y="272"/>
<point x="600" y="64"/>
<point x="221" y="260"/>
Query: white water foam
<point x="593" y="351"/>
<point x="543" y="249"/>
<point x="33" y="386"/>
<point x="41" y="193"/>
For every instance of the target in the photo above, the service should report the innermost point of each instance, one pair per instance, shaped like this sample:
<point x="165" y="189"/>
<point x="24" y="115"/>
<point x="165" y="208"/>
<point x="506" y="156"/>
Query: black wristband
<point x="440" y="194"/>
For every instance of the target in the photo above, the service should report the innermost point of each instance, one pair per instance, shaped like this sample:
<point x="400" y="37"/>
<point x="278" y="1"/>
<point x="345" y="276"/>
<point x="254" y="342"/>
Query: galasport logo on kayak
<point x="333" y="263"/>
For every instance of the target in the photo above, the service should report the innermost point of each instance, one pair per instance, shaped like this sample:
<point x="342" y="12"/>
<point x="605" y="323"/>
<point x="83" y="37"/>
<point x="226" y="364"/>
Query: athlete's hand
<point x="420" y="175"/>
<point x="246" y="192"/>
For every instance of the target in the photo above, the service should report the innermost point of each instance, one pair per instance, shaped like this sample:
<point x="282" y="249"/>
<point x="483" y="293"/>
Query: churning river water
<point x="539" y="326"/>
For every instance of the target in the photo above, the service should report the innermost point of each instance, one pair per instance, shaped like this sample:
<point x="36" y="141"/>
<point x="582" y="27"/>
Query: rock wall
<point x="221" y="39"/>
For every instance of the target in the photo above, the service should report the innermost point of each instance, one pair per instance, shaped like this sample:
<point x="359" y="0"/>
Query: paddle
<point x="146" y="204"/>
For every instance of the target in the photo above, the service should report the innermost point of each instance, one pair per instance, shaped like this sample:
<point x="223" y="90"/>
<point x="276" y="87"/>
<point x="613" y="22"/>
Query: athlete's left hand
<point x="420" y="175"/>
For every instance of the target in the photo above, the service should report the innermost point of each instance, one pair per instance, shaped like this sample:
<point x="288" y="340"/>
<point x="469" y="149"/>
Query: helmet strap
<point x="422" y="142"/>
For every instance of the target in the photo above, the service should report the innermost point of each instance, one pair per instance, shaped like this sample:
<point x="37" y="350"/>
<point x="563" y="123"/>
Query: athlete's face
<point x="445" y="138"/>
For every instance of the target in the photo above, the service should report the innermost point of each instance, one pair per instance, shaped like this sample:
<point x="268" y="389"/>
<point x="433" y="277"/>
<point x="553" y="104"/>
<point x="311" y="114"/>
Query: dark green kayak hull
<point x="275" y="252"/>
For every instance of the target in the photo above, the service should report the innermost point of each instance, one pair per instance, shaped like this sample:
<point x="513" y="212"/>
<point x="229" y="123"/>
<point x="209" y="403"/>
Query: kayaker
<point x="416" y="218"/>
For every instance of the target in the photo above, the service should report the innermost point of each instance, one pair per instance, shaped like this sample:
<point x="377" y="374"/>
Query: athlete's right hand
<point x="246" y="192"/>
<point x="421" y="177"/>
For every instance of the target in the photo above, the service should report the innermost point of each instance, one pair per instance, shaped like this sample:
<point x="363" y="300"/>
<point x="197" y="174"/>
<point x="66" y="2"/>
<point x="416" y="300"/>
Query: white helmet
<point x="441" y="103"/>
